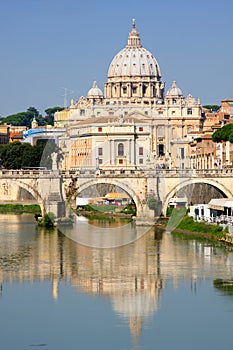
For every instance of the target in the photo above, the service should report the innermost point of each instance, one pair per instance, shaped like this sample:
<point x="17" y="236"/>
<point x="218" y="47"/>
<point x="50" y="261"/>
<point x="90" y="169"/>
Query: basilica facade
<point x="135" y="122"/>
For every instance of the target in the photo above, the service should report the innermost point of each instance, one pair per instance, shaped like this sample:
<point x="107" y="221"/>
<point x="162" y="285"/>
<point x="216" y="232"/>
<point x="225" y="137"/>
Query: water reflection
<point x="225" y="286"/>
<point x="103" y="233"/>
<point x="132" y="276"/>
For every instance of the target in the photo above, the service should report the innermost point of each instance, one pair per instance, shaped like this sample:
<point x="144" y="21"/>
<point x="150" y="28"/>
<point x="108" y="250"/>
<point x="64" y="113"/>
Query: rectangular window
<point x="140" y="151"/>
<point x="182" y="153"/>
<point x="161" y="149"/>
<point x="82" y="112"/>
<point x="160" y="131"/>
<point x="99" y="129"/>
<point x="120" y="161"/>
<point x="140" y="160"/>
<point x="124" y="90"/>
<point x="100" y="161"/>
<point x="100" y="151"/>
<point x="189" y="111"/>
<point x="140" y="128"/>
<point x="134" y="90"/>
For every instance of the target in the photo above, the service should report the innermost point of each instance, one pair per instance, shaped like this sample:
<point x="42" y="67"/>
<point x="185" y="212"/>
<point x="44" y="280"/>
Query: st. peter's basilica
<point x="134" y="123"/>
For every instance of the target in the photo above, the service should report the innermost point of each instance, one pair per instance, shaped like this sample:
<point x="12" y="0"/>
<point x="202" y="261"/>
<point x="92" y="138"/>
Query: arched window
<point x="120" y="149"/>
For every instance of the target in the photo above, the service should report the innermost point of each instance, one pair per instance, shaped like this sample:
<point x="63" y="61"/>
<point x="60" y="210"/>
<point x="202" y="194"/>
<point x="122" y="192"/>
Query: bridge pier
<point x="145" y="216"/>
<point x="58" y="208"/>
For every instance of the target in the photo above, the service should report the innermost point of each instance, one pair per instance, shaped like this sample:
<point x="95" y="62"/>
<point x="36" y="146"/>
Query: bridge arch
<point x="32" y="191"/>
<point x="123" y="186"/>
<point x="222" y="188"/>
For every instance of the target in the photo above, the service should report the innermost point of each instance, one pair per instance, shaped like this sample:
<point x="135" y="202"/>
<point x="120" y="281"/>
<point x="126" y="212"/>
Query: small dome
<point x="134" y="60"/>
<point x="95" y="91"/>
<point x="174" y="90"/>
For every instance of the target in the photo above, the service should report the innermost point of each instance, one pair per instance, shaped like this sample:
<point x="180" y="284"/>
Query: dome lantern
<point x="134" y="38"/>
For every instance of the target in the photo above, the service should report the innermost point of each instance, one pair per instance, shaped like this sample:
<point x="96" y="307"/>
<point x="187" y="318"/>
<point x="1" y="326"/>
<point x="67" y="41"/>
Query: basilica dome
<point x="134" y="60"/>
<point x="134" y="75"/>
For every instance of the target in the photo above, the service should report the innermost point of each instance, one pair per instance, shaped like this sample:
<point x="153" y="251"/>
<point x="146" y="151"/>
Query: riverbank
<point x="18" y="208"/>
<point x="103" y="215"/>
<point x="187" y="228"/>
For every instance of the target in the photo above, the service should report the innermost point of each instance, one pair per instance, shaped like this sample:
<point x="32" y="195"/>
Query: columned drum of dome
<point x="134" y="75"/>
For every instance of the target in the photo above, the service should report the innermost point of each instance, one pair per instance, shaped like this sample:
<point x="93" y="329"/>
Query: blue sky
<point x="49" y="45"/>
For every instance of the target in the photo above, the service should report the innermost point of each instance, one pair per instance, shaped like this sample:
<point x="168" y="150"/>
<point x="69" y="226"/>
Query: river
<point x="136" y="290"/>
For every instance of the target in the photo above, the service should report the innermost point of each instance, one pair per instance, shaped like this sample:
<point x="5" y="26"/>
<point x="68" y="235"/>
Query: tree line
<point x="17" y="155"/>
<point x="25" y="118"/>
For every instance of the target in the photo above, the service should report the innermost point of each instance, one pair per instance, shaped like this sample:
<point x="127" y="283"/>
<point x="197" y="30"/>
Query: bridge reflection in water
<point x="132" y="275"/>
<point x="104" y="233"/>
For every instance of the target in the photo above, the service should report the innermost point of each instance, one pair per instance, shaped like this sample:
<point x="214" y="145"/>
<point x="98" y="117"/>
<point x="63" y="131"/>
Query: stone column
<point x="228" y="152"/>
<point x="133" y="152"/>
<point x="109" y="151"/>
<point x="167" y="143"/>
<point x="118" y="90"/>
<point x="129" y="151"/>
<point x="212" y="161"/>
<point x="109" y="90"/>
<point x="129" y="90"/>
<point x="106" y="90"/>
<point x="140" y="90"/>
<point x="155" y="140"/>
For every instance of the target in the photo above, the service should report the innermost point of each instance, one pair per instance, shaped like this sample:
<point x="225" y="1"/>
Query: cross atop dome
<point x="134" y="38"/>
<point x="133" y="23"/>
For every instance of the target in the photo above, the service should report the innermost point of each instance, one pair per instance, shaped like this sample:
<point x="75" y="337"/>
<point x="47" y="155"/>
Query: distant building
<point x="45" y="133"/>
<point x="226" y="109"/>
<point x="4" y="133"/>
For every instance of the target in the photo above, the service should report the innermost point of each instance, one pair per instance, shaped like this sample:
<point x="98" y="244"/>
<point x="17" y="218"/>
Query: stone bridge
<point x="161" y="184"/>
<point x="44" y="186"/>
<point x="51" y="188"/>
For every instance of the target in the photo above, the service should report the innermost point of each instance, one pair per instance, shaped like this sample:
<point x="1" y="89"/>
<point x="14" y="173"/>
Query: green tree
<point x="50" y="114"/>
<point x="212" y="108"/>
<point x="33" y="111"/>
<point x="22" y="118"/>
<point x="223" y="134"/>
<point x="17" y="155"/>
<point x="25" y="118"/>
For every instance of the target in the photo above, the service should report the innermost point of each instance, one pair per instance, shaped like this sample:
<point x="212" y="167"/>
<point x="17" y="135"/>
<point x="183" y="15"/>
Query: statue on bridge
<point x="54" y="161"/>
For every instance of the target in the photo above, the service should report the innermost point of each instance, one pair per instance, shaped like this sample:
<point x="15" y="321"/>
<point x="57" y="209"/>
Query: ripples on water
<point x="154" y="291"/>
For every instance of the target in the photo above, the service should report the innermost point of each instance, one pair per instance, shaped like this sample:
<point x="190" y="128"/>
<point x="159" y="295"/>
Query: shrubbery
<point x="202" y="227"/>
<point x="20" y="208"/>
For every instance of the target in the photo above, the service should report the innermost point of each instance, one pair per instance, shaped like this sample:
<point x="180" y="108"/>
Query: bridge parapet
<point x="11" y="173"/>
<point x="149" y="173"/>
